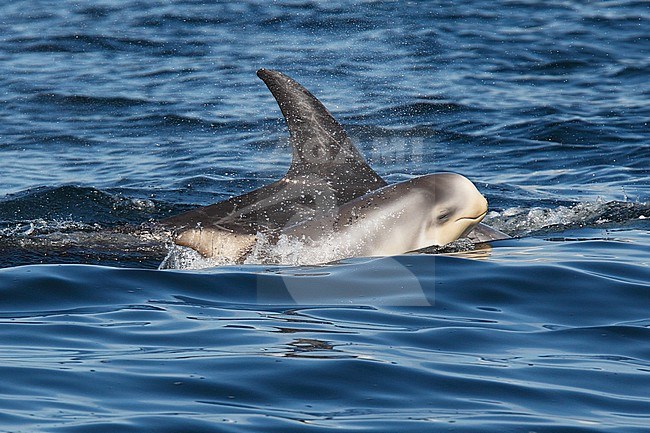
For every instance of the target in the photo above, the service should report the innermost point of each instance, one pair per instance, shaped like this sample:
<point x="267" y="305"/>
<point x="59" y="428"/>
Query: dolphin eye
<point x="443" y="215"/>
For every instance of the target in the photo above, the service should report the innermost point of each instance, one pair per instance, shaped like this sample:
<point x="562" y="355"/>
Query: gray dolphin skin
<point x="326" y="175"/>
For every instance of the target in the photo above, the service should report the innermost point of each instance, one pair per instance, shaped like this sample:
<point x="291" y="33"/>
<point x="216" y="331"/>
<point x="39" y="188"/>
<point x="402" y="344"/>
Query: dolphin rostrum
<point x="326" y="175"/>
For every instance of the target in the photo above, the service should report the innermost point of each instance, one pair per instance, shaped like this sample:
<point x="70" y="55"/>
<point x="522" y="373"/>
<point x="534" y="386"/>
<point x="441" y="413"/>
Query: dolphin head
<point x="457" y="207"/>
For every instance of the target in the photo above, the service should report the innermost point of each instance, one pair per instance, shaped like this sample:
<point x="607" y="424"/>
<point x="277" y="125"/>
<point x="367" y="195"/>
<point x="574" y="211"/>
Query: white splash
<point x="517" y="221"/>
<point x="180" y="257"/>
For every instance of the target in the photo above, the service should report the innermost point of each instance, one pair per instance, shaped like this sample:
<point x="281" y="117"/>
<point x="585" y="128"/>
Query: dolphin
<point x="326" y="175"/>
<point x="435" y="209"/>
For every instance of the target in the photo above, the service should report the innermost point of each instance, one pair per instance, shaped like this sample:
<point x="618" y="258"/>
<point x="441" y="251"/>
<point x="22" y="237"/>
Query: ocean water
<point x="116" y="114"/>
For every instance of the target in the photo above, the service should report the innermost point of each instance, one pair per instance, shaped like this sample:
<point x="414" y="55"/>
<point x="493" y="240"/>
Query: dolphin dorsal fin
<point x="326" y="171"/>
<point x="320" y="145"/>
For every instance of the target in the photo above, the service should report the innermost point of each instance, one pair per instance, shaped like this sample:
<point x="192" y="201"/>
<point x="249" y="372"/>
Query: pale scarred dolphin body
<point x="327" y="184"/>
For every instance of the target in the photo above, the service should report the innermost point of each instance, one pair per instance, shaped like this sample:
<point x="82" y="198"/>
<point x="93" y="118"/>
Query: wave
<point x="175" y="19"/>
<point x="83" y="43"/>
<point x="422" y="108"/>
<point x="574" y="131"/>
<point x="517" y="221"/>
<point x="494" y="339"/>
<point x="640" y="71"/>
<point x="561" y="66"/>
<point x="86" y="101"/>
<point x="84" y="204"/>
<point x="167" y="71"/>
<point x="414" y="279"/>
<point x="66" y="140"/>
<point x="177" y="120"/>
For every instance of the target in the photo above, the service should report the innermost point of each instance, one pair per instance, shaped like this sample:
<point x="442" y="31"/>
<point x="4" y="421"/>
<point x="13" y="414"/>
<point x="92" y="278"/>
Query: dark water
<point x="116" y="114"/>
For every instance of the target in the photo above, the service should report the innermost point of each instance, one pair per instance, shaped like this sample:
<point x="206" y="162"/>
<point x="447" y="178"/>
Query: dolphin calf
<point x="326" y="175"/>
<point x="435" y="209"/>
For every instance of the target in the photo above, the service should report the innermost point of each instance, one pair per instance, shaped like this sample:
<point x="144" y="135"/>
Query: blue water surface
<point x="115" y="114"/>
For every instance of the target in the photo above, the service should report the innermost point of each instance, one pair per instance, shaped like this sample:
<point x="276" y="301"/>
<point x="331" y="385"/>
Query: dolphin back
<point x="326" y="171"/>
